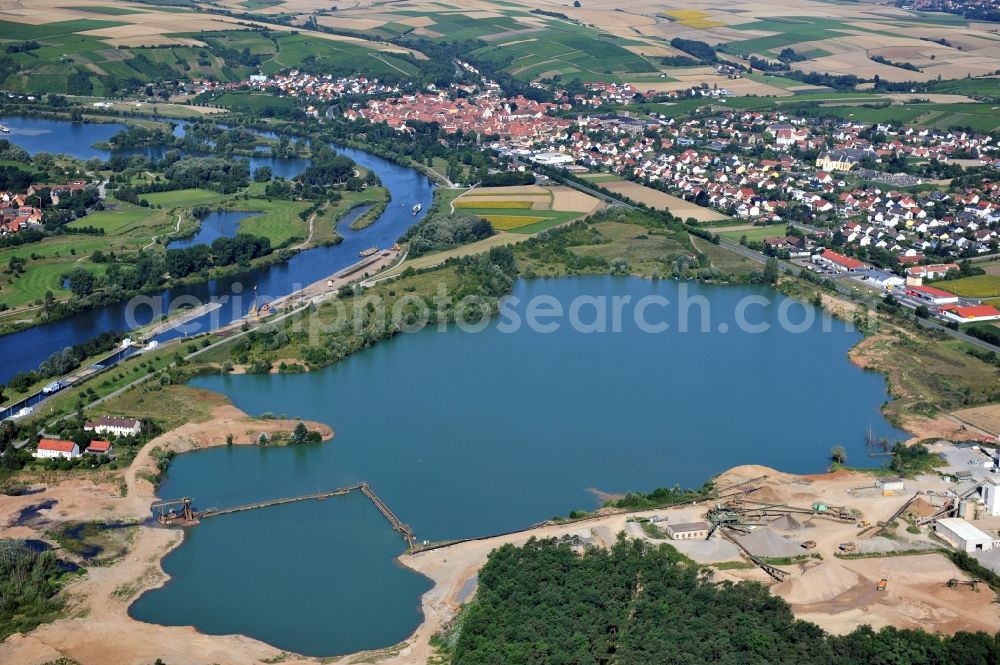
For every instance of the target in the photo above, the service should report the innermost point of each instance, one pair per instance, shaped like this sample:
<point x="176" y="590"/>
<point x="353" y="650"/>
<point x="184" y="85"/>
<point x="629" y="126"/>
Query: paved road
<point x="840" y="285"/>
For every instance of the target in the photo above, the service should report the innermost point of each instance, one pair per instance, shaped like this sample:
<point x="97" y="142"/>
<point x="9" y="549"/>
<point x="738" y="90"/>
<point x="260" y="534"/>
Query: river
<point x="25" y="350"/>
<point x="77" y="139"/>
<point x="466" y="434"/>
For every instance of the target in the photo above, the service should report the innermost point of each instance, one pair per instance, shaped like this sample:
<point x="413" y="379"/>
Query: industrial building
<point x="991" y="497"/>
<point x="837" y="261"/>
<point x="962" y="535"/>
<point x="970" y="313"/>
<point x="932" y="295"/>
<point x="890" y="484"/>
<point x="688" y="531"/>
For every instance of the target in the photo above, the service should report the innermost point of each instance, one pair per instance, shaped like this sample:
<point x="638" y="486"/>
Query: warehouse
<point x="930" y="294"/>
<point x="689" y="531"/>
<point x="962" y="535"/>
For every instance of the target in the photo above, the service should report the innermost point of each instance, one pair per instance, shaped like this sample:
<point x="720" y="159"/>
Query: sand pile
<point x="922" y="508"/>
<point x="708" y="551"/>
<point x="786" y="523"/>
<point x="881" y="544"/>
<point x="765" y="542"/>
<point x="817" y="584"/>
<point x="766" y="494"/>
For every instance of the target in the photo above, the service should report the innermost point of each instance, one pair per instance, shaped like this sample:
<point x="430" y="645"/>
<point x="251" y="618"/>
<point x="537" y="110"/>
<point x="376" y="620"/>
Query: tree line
<point x="640" y="604"/>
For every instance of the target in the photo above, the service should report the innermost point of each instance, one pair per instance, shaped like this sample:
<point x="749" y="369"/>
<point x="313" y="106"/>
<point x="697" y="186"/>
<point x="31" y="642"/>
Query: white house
<point x="48" y="448"/>
<point x="114" y="425"/>
<point x="962" y="535"/>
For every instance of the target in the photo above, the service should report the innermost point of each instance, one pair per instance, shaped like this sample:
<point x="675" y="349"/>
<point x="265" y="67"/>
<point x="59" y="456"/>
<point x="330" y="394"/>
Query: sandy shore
<point x="97" y="629"/>
<point x="835" y="594"/>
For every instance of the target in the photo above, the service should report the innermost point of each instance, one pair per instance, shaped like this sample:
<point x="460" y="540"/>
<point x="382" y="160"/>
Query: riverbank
<point x="96" y="627"/>
<point x="836" y="593"/>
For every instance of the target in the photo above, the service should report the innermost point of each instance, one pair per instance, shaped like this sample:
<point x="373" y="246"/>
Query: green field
<point x="601" y="177"/>
<point x="986" y="87"/>
<point x="529" y="51"/>
<point x="182" y="198"/>
<point x="756" y="234"/>
<point x="279" y="220"/>
<point x="644" y="250"/>
<point x="252" y="102"/>
<point x="114" y="221"/>
<point x="788" y="32"/>
<point x="336" y="56"/>
<point x="980" y="286"/>
<point x="72" y="63"/>
<point x="127" y="229"/>
<point x="571" y="53"/>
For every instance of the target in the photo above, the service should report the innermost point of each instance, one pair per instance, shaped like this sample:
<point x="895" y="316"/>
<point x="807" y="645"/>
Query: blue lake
<point x="219" y="224"/>
<point x="466" y="434"/>
<point x="59" y="136"/>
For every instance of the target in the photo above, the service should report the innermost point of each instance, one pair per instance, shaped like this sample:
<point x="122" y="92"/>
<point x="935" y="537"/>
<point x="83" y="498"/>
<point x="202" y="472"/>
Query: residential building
<point x="935" y="271"/>
<point x="51" y="448"/>
<point x="114" y="425"/>
<point x="98" y="447"/>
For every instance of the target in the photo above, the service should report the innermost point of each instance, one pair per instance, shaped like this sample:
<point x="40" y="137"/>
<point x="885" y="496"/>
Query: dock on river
<point x="189" y="517"/>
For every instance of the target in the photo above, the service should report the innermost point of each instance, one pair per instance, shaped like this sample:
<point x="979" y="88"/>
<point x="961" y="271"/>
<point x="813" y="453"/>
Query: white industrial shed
<point x="963" y="535"/>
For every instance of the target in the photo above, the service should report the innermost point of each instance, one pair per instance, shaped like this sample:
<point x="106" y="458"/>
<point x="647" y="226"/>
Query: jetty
<point x="180" y="512"/>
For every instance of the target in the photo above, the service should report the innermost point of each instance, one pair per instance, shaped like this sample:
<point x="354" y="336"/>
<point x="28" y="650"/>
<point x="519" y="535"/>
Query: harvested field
<point x="986" y="418"/>
<point x="491" y="203"/>
<point x="567" y="199"/>
<point x="662" y="201"/>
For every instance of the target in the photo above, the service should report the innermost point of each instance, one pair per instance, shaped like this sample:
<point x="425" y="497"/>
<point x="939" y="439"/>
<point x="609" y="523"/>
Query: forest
<point x="637" y="604"/>
<point x="29" y="581"/>
<point x="441" y="231"/>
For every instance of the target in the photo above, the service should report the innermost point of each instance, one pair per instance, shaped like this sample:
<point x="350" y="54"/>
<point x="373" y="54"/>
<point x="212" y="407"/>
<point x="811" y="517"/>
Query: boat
<point x="4" y="129"/>
<point x="417" y="208"/>
<point x="365" y="253"/>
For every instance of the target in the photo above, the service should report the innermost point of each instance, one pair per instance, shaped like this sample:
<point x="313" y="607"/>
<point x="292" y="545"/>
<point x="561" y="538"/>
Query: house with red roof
<point x="970" y="313"/>
<point x="53" y="448"/>
<point x="99" y="447"/>
<point x="933" y="271"/>
<point x="840" y="262"/>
